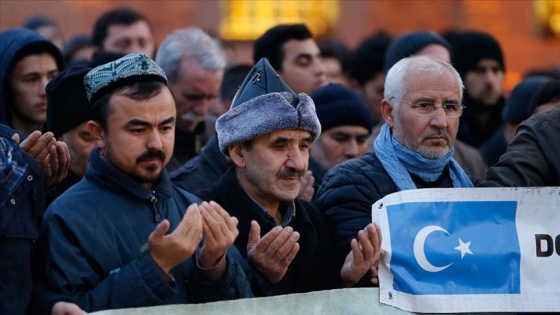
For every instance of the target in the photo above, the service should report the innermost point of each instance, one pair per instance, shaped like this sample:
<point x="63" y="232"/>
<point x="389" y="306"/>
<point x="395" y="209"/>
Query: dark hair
<point x="119" y="16"/>
<point x="332" y="48"/>
<point x="369" y="57"/>
<point x="140" y="90"/>
<point x="233" y="77"/>
<point x="549" y="92"/>
<point x="270" y="44"/>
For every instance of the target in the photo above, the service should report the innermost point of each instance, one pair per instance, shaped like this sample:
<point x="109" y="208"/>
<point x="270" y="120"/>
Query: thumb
<point x="15" y="137"/>
<point x="254" y="235"/>
<point x="159" y="232"/>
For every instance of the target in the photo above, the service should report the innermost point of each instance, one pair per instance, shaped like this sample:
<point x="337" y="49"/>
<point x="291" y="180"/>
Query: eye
<point x="137" y="130"/>
<point x="450" y="107"/>
<point x="425" y="105"/>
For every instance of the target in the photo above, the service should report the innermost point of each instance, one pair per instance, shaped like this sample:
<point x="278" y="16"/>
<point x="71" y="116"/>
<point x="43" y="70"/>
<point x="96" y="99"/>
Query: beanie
<point x="264" y="103"/>
<point x="409" y="44"/>
<point x="469" y="47"/>
<point x="338" y="105"/>
<point x="67" y="103"/>
<point x="369" y="57"/>
<point x="518" y="103"/>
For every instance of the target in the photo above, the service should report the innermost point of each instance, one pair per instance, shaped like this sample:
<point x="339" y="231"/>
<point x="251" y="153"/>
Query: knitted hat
<point x="110" y="76"/>
<point x="469" y="47"/>
<point x="67" y="104"/>
<point x="409" y="44"/>
<point x="338" y="105"/>
<point x="518" y="103"/>
<point x="369" y="57"/>
<point x="263" y="104"/>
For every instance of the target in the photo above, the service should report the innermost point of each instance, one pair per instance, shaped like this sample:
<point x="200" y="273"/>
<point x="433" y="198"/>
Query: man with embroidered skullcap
<point x="123" y="236"/>
<point x="414" y="149"/>
<point x="267" y="133"/>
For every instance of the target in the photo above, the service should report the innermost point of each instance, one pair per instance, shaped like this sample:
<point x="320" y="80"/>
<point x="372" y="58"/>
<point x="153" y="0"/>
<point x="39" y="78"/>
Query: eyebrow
<point x="138" y="122"/>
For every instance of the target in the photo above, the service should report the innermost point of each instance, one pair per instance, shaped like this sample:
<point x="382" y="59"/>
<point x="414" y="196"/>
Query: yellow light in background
<point x="249" y="19"/>
<point x="548" y="16"/>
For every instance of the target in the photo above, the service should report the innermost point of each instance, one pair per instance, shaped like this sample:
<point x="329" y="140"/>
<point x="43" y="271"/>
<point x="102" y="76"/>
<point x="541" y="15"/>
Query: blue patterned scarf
<point x="398" y="161"/>
<point x="12" y="165"/>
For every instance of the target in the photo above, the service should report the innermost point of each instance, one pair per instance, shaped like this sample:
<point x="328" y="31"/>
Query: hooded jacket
<point x="94" y="241"/>
<point x="12" y="42"/>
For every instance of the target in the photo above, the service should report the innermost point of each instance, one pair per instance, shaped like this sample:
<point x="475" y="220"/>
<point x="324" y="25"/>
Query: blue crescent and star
<point x="420" y="254"/>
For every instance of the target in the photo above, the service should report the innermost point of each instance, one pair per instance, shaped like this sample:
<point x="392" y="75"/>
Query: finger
<point x="284" y="236"/>
<point x="365" y="244"/>
<point x="231" y="224"/>
<point x="63" y="158"/>
<point x="287" y="247"/>
<point x="291" y="255"/>
<point x="357" y="255"/>
<point x="254" y="235"/>
<point x="31" y="140"/>
<point x="15" y="137"/>
<point x="215" y="219"/>
<point x="212" y="228"/>
<point x="159" y="232"/>
<point x="191" y="219"/>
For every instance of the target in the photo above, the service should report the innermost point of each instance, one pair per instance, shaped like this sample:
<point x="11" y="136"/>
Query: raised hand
<point x="37" y="145"/>
<point x="170" y="250"/>
<point x="306" y="192"/>
<point x="274" y="252"/>
<point x="364" y="256"/>
<point x="220" y="231"/>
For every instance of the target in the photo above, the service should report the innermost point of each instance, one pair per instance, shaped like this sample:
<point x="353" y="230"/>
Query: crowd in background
<point x="137" y="173"/>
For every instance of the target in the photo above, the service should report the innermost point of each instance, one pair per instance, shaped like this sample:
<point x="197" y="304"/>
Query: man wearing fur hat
<point x="123" y="236"/>
<point x="267" y="133"/>
<point x="414" y="149"/>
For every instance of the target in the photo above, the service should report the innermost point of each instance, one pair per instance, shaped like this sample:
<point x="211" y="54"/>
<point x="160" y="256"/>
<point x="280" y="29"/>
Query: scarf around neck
<point x="398" y="161"/>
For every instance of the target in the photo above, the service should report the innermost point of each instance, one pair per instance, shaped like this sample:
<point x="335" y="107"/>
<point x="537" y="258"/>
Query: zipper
<point x="155" y="211"/>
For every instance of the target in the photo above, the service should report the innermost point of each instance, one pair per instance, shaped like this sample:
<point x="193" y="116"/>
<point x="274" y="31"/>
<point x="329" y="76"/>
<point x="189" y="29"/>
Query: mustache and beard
<point x="290" y="173"/>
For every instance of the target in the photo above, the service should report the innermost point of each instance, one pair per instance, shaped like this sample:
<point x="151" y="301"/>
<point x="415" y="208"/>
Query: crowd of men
<point x="136" y="177"/>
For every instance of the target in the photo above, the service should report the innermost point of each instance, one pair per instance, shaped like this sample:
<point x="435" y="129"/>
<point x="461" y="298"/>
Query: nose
<point x="296" y="160"/>
<point x="438" y="118"/>
<point x="154" y="141"/>
<point x="43" y="88"/>
<point x="320" y="69"/>
<point x="352" y="148"/>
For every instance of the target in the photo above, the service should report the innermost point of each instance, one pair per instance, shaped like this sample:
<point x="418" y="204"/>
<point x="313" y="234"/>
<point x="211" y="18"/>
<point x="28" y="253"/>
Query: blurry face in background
<point x="52" y="33"/>
<point x="334" y="71"/>
<point x="195" y="90"/>
<point x="338" y="144"/>
<point x="302" y="68"/>
<point x="126" y="39"/>
<point x="80" y="142"/>
<point x="484" y="83"/>
<point x="28" y="81"/>
<point x="373" y="92"/>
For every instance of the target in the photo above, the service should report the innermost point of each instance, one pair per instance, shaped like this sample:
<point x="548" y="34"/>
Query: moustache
<point x="151" y="155"/>
<point x="439" y="133"/>
<point x="190" y="117"/>
<point x="290" y="174"/>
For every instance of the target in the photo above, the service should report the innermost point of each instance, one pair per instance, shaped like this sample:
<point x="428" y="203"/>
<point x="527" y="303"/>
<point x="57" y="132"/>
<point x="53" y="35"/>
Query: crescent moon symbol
<point x="419" y="253"/>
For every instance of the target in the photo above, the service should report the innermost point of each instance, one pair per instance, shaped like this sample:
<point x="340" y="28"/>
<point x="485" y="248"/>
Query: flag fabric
<point x="470" y="250"/>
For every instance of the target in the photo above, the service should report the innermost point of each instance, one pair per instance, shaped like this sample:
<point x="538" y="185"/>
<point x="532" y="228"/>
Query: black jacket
<point x="313" y="268"/>
<point x="203" y="170"/>
<point x="533" y="157"/>
<point x="351" y="188"/>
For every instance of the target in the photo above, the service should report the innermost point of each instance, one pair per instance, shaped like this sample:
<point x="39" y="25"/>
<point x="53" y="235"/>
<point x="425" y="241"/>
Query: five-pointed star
<point x="464" y="248"/>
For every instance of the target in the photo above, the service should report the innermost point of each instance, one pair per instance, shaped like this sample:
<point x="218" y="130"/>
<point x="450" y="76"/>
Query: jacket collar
<point x="106" y="174"/>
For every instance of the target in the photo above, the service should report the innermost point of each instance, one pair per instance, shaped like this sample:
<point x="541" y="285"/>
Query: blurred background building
<point x="528" y="30"/>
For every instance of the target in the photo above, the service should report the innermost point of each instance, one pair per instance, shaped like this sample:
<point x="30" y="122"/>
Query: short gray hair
<point x="191" y="42"/>
<point x="395" y="85"/>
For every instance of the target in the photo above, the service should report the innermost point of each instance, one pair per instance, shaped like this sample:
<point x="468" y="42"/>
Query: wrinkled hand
<point x="273" y="253"/>
<point x="66" y="308"/>
<point x="306" y="192"/>
<point x="56" y="169"/>
<point x="52" y="155"/>
<point x="220" y="231"/>
<point x="170" y="250"/>
<point x="365" y="254"/>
